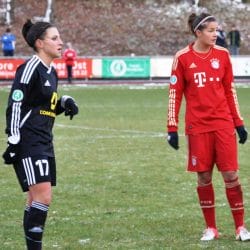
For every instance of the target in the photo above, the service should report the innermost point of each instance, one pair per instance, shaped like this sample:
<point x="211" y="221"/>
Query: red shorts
<point x="216" y="147"/>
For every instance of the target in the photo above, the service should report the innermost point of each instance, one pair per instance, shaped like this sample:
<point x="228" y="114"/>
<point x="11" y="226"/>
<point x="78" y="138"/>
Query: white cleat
<point x="210" y="234"/>
<point x="242" y="234"/>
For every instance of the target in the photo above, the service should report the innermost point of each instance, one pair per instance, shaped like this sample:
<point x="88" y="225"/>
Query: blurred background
<point x="124" y="27"/>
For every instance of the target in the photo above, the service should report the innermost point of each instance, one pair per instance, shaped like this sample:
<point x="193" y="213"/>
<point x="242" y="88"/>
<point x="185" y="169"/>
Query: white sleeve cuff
<point x="64" y="98"/>
<point x="14" y="139"/>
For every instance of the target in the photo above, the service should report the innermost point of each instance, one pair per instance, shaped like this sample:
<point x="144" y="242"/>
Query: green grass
<point x="120" y="186"/>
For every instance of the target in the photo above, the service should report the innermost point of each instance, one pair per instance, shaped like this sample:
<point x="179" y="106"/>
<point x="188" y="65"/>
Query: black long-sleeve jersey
<point x="32" y="108"/>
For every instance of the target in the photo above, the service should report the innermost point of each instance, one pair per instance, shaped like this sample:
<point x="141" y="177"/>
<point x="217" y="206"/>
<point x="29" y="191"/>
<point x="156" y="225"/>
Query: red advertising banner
<point x="8" y="67"/>
<point x="81" y="69"/>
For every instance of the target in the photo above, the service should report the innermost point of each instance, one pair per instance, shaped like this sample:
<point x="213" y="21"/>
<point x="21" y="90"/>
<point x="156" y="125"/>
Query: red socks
<point x="207" y="204"/>
<point x="234" y="197"/>
<point x="235" y="200"/>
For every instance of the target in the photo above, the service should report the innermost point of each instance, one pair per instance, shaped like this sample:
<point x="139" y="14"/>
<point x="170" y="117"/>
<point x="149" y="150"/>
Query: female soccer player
<point x="32" y="107"/>
<point x="202" y="72"/>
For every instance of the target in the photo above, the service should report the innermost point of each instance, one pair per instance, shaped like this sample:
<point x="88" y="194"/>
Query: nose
<point x="60" y="41"/>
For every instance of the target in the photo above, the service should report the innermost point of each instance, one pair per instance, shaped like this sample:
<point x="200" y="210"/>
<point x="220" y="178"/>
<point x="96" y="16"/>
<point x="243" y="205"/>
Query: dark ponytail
<point x="33" y="31"/>
<point x="26" y="27"/>
<point x="191" y="19"/>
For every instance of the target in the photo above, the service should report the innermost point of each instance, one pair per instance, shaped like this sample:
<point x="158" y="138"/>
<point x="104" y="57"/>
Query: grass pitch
<point x="120" y="186"/>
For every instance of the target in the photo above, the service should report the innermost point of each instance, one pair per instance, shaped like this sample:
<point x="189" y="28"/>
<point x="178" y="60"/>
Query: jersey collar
<point x="48" y="68"/>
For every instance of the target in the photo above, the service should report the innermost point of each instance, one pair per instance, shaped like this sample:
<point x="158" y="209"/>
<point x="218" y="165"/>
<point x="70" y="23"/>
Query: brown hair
<point x="198" y="22"/>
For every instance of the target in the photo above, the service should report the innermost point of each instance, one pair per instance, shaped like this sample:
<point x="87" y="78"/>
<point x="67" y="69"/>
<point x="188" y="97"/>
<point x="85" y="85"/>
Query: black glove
<point x="173" y="140"/>
<point x="10" y="155"/>
<point x="242" y="133"/>
<point x="71" y="108"/>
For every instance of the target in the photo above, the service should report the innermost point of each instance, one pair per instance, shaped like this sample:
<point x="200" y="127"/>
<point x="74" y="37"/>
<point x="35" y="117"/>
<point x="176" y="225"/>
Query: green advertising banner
<point x="134" y="67"/>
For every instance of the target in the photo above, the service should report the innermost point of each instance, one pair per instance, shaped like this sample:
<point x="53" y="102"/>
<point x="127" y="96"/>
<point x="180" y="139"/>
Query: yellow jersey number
<point x="53" y="101"/>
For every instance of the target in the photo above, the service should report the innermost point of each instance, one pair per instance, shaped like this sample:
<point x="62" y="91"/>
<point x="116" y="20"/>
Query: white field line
<point x="123" y="136"/>
<point x="130" y="133"/>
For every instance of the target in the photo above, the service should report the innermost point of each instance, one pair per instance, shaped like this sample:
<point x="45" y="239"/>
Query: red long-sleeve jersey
<point x="207" y="84"/>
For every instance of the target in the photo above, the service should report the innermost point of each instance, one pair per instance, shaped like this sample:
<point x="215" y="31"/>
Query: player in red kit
<point x="69" y="56"/>
<point x="202" y="72"/>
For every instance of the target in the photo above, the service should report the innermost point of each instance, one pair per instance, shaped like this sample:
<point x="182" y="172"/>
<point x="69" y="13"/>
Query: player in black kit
<point x="32" y="107"/>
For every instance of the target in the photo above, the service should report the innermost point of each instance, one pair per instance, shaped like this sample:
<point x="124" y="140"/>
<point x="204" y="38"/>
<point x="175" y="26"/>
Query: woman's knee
<point x="230" y="175"/>
<point x="41" y="192"/>
<point x="204" y="178"/>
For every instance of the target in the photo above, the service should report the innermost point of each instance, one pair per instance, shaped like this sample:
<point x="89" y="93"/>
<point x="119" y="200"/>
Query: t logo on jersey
<point x="200" y="79"/>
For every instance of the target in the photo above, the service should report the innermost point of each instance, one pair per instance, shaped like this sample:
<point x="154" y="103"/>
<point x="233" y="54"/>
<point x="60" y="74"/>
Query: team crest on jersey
<point x="173" y="79"/>
<point x="194" y="161"/>
<point x="215" y="63"/>
<point x="17" y="95"/>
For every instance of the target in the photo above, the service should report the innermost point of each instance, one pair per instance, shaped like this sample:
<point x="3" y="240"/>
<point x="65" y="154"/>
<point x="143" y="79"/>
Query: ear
<point x="198" y="33"/>
<point x="39" y="43"/>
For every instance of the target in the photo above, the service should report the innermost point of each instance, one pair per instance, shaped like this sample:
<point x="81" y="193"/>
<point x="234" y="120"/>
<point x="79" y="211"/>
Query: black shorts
<point x="35" y="169"/>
